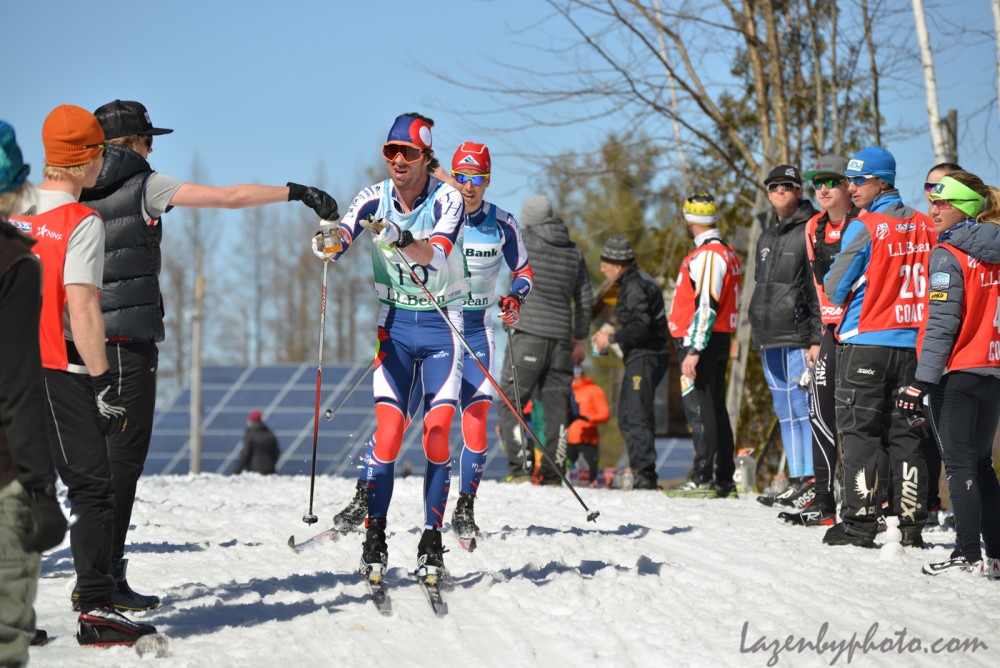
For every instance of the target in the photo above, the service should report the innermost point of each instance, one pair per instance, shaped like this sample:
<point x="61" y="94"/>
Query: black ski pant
<point x="823" y="420"/>
<point x="636" y="420"/>
<point x="964" y="412"/>
<point x="705" y="408"/>
<point x="545" y="365"/>
<point x="868" y="378"/>
<point x="134" y="366"/>
<point x="81" y="458"/>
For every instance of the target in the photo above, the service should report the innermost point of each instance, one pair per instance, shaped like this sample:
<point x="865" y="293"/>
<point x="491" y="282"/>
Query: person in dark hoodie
<point x="642" y="335"/>
<point x="785" y="325"/>
<point x="131" y="198"/>
<point x="260" y="447"/>
<point x="880" y="278"/>
<point x="547" y="341"/>
<point x="959" y="367"/>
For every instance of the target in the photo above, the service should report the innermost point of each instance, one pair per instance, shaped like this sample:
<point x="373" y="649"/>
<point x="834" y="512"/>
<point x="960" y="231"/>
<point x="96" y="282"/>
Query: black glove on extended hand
<point x="316" y="199"/>
<point x="110" y="409"/>
<point x="50" y="523"/>
<point x="910" y="402"/>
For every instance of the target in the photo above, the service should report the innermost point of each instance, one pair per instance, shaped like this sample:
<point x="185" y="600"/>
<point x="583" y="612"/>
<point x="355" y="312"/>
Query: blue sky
<point x="296" y="91"/>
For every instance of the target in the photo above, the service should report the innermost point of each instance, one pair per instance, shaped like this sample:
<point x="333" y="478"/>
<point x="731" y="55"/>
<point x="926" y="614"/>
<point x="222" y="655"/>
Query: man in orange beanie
<point x="84" y="405"/>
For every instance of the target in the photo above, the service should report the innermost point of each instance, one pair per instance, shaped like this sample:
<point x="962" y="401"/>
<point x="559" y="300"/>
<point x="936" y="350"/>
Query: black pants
<point x="823" y="420"/>
<point x="965" y="408"/>
<point x="706" y="412"/>
<point x="867" y="380"/>
<point x="636" y="421"/>
<point x="545" y="365"/>
<point x="134" y="366"/>
<point x="81" y="458"/>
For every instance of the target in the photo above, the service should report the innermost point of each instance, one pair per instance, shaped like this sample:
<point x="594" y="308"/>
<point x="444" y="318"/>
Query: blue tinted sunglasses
<point x="477" y="179"/>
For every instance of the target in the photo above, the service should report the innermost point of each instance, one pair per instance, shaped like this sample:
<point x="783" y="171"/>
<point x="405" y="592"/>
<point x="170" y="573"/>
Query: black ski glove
<point x="317" y="200"/>
<point x="110" y="409"/>
<point x="50" y="523"/>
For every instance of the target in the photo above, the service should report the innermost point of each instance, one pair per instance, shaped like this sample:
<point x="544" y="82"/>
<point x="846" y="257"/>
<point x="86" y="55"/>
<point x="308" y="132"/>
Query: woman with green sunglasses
<point x="957" y="382"/>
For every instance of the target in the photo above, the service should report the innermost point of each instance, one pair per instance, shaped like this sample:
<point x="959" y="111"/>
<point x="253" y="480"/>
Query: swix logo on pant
<point x="908" y="497"/>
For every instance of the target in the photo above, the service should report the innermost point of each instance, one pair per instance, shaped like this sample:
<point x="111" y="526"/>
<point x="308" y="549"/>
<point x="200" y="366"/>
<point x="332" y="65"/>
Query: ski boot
<point x="463" y="521"/>
<point x="103" y="626"/>
<point x="430" y="555"/>
<point x="374" y="551"/>
<point x="354" y="514"/>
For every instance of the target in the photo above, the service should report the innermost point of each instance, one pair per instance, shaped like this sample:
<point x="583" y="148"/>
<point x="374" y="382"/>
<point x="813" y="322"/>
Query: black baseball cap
<point x="122" y="118"/>
<point x="779" y="173"/>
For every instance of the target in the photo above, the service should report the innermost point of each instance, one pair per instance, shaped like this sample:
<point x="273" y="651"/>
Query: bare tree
<point x="930" y="82"/>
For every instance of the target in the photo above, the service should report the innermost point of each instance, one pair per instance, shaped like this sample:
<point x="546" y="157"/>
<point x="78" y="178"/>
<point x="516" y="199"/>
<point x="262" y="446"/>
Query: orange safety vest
<point x="683" y="308"/>
<point x="52" y="230"/>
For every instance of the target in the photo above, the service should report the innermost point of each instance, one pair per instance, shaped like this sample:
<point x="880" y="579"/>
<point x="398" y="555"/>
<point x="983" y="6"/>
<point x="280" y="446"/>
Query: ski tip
<point x="291" y="541"/>
<point x="592" y="517"/>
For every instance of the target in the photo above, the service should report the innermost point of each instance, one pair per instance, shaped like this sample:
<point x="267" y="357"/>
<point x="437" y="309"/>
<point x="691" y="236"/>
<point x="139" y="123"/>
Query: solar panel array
<point x="286" y="395"/>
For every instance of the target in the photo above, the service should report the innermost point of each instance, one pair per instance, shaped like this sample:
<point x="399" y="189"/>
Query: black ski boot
<point x="463" y="520"/>
<point x="354" y="514"/>
<point x="430" y="554"/>
<point x="104" y="626"/>
<point x="123" y="597"/>
<point x="374" y="551"/>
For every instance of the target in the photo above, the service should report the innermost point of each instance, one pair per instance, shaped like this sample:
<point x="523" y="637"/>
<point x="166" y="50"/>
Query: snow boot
<point x="838" y="534"/>
<point x="430" y="554"/>
<point x="463" y="520"/>
<point x="987" y="568"/>
<point x="124" y="598"/>
<point x="374" y="551"/>
<point x="912" y="536"/>
<point x="354" y="514"/>
<point x="104" y="627"/>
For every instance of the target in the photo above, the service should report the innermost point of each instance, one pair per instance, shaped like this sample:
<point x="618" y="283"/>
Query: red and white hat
<point x="471" y="158"/>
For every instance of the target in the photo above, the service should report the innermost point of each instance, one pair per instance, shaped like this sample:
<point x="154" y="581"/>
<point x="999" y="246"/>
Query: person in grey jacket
<point x="785" y="324"/>
<point x="548" y="339"/>
<point x="959" y="364"/>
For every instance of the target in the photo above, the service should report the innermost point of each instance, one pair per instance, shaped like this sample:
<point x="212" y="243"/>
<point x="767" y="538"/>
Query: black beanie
<point x="617" y="250"/>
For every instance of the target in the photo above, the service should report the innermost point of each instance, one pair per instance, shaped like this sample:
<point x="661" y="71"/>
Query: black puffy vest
<point x="130" y="296"/>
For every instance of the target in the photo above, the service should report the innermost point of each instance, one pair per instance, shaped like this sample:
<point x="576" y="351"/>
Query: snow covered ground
<point x="654" y="582"/>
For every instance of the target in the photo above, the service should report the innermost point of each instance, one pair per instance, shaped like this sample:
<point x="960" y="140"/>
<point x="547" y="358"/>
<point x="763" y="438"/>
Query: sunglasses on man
<point x="783" y="186"/>
<point x="409" y="153"/>
<point x="477" y="179"/>
<point x="829" y="182"/>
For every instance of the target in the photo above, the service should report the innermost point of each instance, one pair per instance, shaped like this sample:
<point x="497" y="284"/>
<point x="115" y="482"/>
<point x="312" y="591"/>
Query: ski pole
<point x="371" y="226"/>
<point x="329" y="413"/>
<point x="309" y="517"/>
<point x="526" y="462"/>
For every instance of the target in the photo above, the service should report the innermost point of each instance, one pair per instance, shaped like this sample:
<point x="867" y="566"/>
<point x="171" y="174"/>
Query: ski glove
<point x="394" y="237"/>
<point x="328" y="242"/>
<point x="50" y="523"/>
<point x="316" y="199"/>
<point x="510" y="308"/>
<point x="110" y="410"/>
<point x="910" y="402"/>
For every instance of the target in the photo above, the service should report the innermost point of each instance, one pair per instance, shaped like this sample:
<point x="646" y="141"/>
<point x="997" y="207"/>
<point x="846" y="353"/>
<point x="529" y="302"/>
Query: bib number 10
<point x="404" y="275"/>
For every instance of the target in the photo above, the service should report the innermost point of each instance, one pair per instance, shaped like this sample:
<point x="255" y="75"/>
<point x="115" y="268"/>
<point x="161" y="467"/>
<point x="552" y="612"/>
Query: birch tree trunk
<point x="870" y="43"/>
<point x="930" y="83"/>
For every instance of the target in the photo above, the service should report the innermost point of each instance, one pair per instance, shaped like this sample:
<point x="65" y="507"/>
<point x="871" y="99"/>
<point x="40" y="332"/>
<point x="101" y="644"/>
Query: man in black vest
<point x="131" y="198"/>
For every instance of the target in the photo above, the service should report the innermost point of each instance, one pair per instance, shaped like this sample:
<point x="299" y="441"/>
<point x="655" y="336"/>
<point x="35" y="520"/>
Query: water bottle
<point x="331" y="238"/>
<point x="745" y="475"/>
<point x="582" y="469"/>
<point x="628" y="480"/>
